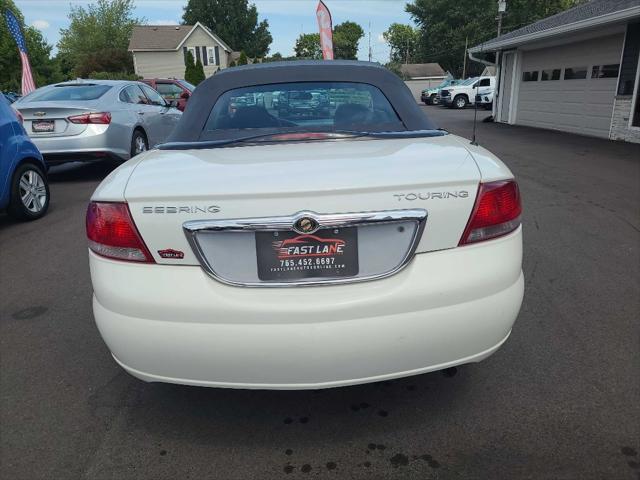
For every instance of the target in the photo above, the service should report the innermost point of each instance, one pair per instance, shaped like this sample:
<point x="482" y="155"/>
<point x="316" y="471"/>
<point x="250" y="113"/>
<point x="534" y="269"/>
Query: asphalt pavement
<point x="560" y="400"/>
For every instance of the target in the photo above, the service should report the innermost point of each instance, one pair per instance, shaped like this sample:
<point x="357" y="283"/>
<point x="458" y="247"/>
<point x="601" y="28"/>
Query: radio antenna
<point x="475" y="115"/>
<point x="475" y="106"/>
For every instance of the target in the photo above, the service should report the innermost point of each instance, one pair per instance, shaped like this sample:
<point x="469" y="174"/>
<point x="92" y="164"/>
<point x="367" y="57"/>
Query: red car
<point x="172" y="89"/>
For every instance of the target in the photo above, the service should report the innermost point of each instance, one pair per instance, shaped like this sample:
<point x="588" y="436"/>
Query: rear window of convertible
<point x="316" y="105"/>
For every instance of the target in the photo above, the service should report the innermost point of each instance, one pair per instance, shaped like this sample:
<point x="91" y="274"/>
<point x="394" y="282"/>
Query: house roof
<point x="591" y="14"/>
<point x="165" y="37"/>
<point x="421" y="70"/>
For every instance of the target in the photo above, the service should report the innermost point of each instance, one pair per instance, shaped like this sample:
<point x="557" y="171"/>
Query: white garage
<point x="575" y="72"/>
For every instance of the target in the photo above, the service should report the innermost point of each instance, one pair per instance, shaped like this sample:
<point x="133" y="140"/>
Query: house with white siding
<point x="159" y="50"/>
<point x="577" y="71"/>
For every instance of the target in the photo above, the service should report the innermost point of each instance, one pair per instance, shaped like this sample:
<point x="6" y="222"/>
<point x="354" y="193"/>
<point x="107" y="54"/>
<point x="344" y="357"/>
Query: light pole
<point x="502" y="7"/>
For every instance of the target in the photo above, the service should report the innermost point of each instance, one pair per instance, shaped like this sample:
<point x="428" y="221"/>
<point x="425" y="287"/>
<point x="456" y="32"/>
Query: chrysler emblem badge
<point x="305" y="225"/>
<point x="39" y="114"/>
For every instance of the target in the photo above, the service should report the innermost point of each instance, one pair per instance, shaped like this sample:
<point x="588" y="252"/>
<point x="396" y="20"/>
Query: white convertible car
<point x="321" y="249"/>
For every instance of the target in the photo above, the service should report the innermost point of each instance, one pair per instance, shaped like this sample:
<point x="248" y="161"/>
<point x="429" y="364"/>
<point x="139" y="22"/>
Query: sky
<point x="287" y="18"/>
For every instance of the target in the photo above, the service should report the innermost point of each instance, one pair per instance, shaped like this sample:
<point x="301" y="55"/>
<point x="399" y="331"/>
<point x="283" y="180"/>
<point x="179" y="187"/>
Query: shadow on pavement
<point x="80" y="171"/>
<point x="218" y="416"/>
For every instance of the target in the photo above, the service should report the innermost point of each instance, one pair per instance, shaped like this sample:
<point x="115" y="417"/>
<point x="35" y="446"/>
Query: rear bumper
<point x="175" y="324"/>
<point x="97" y="141"/>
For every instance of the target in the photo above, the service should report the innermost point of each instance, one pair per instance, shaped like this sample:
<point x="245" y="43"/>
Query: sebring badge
<point x="306" y="225"/>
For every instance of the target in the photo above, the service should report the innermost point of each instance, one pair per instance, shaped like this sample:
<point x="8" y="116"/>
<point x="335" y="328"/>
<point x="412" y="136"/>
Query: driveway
<point x="561" y="399"/>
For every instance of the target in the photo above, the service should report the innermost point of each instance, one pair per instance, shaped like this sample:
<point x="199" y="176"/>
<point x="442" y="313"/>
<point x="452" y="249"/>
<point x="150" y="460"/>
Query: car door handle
<point x="140" y="113"/>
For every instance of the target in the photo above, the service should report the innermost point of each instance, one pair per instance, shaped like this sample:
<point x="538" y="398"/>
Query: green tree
<point x="190" y="68"/>
<point x="242" y="59"/>
<point x="235" y="21"/>
<point x="105" y="60"/>
<point x="198" y="73"/>
<point x="308" y="46"/>
<point x="445" y="25"/>
<point x="44" y="69"/>
<point x="404" y="41"/>
<point x="346" y="37"/>
<point x="276" y="57"/>
<point x="113" y="76"/>
<point x="95" y="33"/>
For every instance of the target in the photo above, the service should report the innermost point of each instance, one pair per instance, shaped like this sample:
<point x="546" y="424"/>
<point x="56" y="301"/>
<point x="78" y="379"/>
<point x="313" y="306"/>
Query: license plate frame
<point x="288" y="256"/>
<point x="38" y="126"/>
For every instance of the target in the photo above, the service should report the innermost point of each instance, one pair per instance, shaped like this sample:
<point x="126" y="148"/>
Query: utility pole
<point x="464" y="61"/>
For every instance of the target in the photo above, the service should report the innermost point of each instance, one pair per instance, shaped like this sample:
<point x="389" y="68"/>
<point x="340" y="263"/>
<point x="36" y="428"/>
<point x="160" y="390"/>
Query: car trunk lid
<point x="40" y="117"/>
<point x="436" y="175"/>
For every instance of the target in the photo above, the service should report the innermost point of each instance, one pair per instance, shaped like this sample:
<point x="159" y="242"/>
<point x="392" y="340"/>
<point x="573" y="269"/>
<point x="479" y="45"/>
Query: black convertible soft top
<point x="192" y="123"/>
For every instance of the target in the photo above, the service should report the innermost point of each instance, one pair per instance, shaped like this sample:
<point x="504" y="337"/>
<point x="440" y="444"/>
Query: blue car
<point x="11" y="96"/>
<point x="24" y="190"/>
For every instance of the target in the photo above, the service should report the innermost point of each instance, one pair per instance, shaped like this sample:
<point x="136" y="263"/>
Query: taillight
<point x="112" y="233"/>
<point x="496" y="212"/>
<point x="19" y="115"/>
<point x="102" y="118"/>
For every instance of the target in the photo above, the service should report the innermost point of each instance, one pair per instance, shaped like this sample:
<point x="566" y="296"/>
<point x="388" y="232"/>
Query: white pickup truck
<point x="461" y="95"/>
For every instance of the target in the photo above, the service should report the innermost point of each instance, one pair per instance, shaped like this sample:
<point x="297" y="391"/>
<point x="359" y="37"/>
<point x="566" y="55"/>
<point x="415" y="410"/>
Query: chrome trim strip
<point x="193" y="227"/>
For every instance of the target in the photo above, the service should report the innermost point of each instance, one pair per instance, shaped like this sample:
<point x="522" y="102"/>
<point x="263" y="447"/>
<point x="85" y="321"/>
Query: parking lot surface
<point x="561" y="399"/>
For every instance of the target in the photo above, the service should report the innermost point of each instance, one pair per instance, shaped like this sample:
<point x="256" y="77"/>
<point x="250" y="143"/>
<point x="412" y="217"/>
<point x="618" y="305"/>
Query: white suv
<point x="459" y="96"/>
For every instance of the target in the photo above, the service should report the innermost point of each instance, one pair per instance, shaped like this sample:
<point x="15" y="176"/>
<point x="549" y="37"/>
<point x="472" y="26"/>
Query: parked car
<point x="303" y="104"/>
<point x="253" y="251"/>
<point x="430" y="95"/>
<point x="24" y="190"/>
<point x="484" y="98"/>
<point x="172" y="90"/>
<point x="459" y="96"/>
<point x="96" y="119"/>
<point x="11" y="96"/>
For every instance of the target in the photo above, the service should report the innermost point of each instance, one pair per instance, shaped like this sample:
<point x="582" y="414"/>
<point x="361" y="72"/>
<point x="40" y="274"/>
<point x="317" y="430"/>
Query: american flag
<point x="28" y="85"/>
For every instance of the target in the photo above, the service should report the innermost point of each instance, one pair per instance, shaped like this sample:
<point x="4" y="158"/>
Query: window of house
<point x="575" y="73"/>
<point x="211" y="56"/>
<point x="530" y="76"/>
<point x="605" y="71"/>
<point x="550" y="74"/>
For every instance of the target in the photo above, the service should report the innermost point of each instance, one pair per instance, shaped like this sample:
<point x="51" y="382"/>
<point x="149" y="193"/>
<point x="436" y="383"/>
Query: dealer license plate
<point x="287" y="255"/>
<point x="41" y="126"/>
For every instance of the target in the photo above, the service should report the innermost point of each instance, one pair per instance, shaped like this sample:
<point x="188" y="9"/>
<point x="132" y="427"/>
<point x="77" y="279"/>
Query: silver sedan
<point x="94" y="119"/>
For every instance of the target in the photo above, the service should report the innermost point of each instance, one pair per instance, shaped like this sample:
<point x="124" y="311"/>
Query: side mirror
<point x="185" y="95"/>
<point x="172" y="103"/>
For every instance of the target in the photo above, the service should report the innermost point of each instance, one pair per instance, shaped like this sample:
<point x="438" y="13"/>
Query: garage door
<point x="570" y="87"/>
